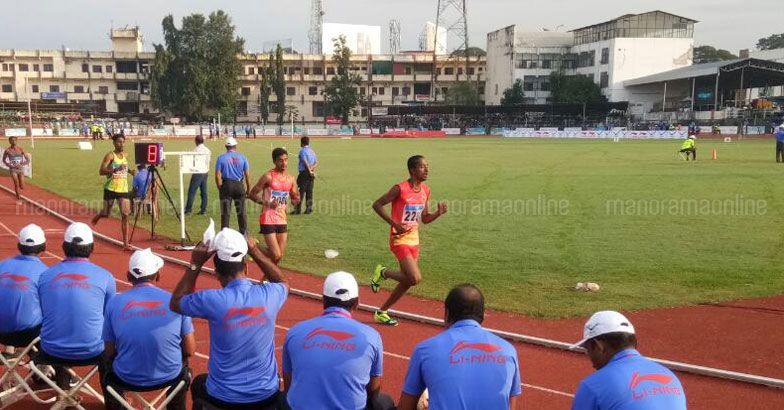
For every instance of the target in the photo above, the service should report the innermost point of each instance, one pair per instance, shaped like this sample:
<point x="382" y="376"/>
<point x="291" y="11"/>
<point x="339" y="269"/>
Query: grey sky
<point x="84" y="24"/>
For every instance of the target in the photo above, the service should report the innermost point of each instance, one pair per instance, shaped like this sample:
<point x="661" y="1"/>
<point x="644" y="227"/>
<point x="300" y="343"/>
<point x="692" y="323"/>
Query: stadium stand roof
<point x="740" y="73"/>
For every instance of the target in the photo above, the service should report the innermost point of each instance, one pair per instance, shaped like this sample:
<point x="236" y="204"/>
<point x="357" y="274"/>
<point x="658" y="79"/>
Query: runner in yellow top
<point x="115" y="167"/>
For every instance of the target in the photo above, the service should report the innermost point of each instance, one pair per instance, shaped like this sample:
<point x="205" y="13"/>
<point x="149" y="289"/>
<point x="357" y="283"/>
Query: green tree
<point x="464" y="93"/>
<point x="574" y="89"/>
<point x="708" y="54"/>
<point x="279" y="85"/>
<point x="771" y="42"/>
<point x="514" y="95"/>
<point x="195" y="72"/>
<point x="471" y="51"/>
<point x="265" y="89"/>
<point x="341" y="93"/>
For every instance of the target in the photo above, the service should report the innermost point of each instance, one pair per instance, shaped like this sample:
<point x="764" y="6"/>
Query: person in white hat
<point x="145" y="342"/>
<point x="20" y="309"/>
<point x="73" y="295"/>
<point x="333" y="361"/>
<point x="624" y="379"/>
<point x="242" y="367"/>
<point x="232" y="176"/>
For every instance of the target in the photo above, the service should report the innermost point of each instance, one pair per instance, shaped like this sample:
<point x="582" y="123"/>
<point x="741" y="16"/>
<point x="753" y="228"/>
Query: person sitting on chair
<point x="689" y="147"/>
<point x="144" y="341"/>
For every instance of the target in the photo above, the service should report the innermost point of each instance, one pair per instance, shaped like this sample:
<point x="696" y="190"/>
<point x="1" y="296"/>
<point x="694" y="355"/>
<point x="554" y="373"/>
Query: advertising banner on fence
<point x="728" y="130"/>
<point x="317" y="131"/>
<point x="527" y="133"/>
<point x="15" y="132"/>
<point x="365" y="131"/>
<point x="68" y="132"/>
<point x="160" y="132"/>
<point x="43" y="132"/>
<point x="475" y="131"/>
<point x="755" y="129"/>
<point x="451" y="131"/>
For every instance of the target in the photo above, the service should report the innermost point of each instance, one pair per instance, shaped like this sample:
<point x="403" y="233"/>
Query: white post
<point x="292" y="125"/>
<point x="182" y="206"/>
<point x="29" y="115"/>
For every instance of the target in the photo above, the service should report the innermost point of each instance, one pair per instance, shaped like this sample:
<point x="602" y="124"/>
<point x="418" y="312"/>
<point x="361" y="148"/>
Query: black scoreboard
<point x="148" y="153"/>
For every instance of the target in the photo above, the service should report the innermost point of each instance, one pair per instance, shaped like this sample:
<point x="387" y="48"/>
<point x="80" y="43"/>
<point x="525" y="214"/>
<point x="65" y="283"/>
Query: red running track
<point x="725" y="337"/>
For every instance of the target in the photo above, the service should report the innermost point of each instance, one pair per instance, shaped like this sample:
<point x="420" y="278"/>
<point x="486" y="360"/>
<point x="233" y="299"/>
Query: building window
<point x="438" y="71"/>
<point x="108" y="69"/>
<point x="245" y="91"/>
<point x="444" y="90"/>
<point x="251" y="70"/>
<point x="103" y="89"/>
<point x="470" y="70"/>
<point x="291" y="90"/>
<point x="54" y="88"/>
<point x="459" y="70"/>
<point x="545" y="86"/>
<point x="406" y="90"/>
<point x="547" y="64"/>
<point x="49" y="67"/>
<point x="395" y="91"/>
<point x="36" y="67"/>
<point x="306" y="70"/>
<point x="127" y="86"/>
<point x="496" y="89"/>
<point x="528" y="86"/>
<point x="330" y="70"/>
<point x="7" y="88"/>
<point x="318" y="71"/>
<point x="97" y="69"/>
<point x="312" y="90"/>
<point x="6" y="68"/>
<point x="362" y="91"/>
<point x="481" y="69"/>
<point x="604" y="80"/>
<point x="449" y="71"/>
<point x="85" y="68"/>
<point x="381" y="91"/>
<point x="24" y="67"/>
<point x="605" y="55"/>
<point x="78" y="88"/>
<point x="35" y="88"/>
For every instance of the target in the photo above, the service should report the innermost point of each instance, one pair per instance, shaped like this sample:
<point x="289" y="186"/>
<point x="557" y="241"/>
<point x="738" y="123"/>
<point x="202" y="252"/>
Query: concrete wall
<point x="638" y="57"/>
<point x="500" y="64"/>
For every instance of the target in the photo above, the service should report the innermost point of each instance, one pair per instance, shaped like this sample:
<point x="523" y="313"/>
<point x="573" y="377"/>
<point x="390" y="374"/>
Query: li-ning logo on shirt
<point x="663" y="380"/>
<point x="315" y="340"/>
<point x="17" y="281"/>
<point x="70" y="280"/>
<point x="243" y="317"/>
<point x="461" y="353"/>
<point x="142" y="308"/>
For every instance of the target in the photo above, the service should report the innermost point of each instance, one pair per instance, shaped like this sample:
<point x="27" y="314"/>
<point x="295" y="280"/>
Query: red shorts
<point x="401" y="251"/>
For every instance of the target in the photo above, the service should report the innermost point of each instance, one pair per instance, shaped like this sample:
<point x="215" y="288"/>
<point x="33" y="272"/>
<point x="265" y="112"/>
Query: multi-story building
<point x="628" y="47"/>
<point x="117" y="81"/>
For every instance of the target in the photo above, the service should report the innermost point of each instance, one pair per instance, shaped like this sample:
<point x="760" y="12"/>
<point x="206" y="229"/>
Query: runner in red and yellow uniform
<point x="409" y="207"/>
<point x="274" y="191"/>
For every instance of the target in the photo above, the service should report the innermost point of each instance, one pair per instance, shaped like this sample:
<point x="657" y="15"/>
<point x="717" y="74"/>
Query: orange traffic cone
<point x="714" y="156"/>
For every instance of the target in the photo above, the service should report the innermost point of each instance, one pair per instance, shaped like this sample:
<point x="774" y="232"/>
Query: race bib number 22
<point x="412" y="214"/>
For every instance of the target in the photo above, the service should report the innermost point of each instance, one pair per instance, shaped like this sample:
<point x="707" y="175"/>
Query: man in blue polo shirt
<point x="333" y="361"/>
<point x="624" y="379"/>
<point x="242" y="372"/>
<point x="145" y="342"/>
<point x="73" y="296"/>
<point x="308" y="162"/>
<point x="465" y="366"/>
<point x="20" y="309"/>
<point x="233" y="180"/>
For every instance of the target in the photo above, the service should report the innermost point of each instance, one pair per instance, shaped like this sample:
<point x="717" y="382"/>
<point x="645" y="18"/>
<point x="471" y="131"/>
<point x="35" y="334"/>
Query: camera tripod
<point x="151" y="183"/>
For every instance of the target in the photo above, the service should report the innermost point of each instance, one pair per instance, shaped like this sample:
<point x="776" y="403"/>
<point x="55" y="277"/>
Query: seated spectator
<point x="624" y="379"/>
<point x="333" y="361"/>
<point x="73" y="296"/>
<point x="465" y="366"/>
<point x="20" y="309"/>
<point x="146" y="344"/>
<point x="242" y="371"/>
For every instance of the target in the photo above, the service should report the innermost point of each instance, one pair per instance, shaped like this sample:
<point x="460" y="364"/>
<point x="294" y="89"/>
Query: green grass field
<point x="528" y="218"/>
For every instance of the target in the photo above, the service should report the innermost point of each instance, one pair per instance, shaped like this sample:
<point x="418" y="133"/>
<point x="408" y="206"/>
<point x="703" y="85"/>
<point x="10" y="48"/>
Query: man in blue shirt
<point x="73" y="296"/>
<point x="623" y="379"/>
<point x="780" y="144"/>
<point x="465" y="366"/>
<point x="146" y="344"/>
<point x="20" y="309"/>
<point x="333" y="361"/>
<point x="233" y="180"/>
<point x="308" y="162"/>
<point x="242" y="372"/>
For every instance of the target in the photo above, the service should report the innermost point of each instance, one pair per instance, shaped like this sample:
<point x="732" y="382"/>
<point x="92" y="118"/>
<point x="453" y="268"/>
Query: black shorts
<point x="270" y="229"/>
<point x="20" y="338"/>
<point x="111" y="195"/>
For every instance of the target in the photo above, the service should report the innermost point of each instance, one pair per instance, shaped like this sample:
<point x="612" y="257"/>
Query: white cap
<point x="32" y="235"/>
<point x="230" y="245"/>
<point x="144" y="263"/>
<point x="601" y="323"/>
<point x="341" y="285"/>
<point x="231" y="142"/>
<point x="692" y="136"/>
<point x="79" y="230"/>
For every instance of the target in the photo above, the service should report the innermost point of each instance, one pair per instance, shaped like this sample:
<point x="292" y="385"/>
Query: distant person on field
<point x="446" y="364"/>
<point x="624" y="379"/>
<point x="15" y="158"/>
<point x="334" y="361"/>
<point x="780" y="144"/>
<point x="233" y="180"/>
<point x="308" y="162"/>
<point x="199" y="181"/>
<point x="115" y="167"/>
<point x="146" y="345"/>
<point x="688" y="147"/>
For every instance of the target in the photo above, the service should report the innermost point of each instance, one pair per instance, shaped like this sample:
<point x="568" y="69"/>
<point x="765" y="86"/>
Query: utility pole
<point x="316" y="26"/>
<point x="452" y="15"/>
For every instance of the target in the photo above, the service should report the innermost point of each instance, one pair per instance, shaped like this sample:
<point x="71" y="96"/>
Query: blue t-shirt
<point x="140" y="183"/>
<point x="19" y="305"/>
<point x="306" y="154"/>
<point x="147" y="335"/>
<point x="332" y="358"/>
<point x="780" y="136"/>
<point x="73" y="296"/>
<point x="630" y="381"/>
<point x="242" y="367"/>
<point x="464" y="367"/>
<point x="232" y="165"/>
